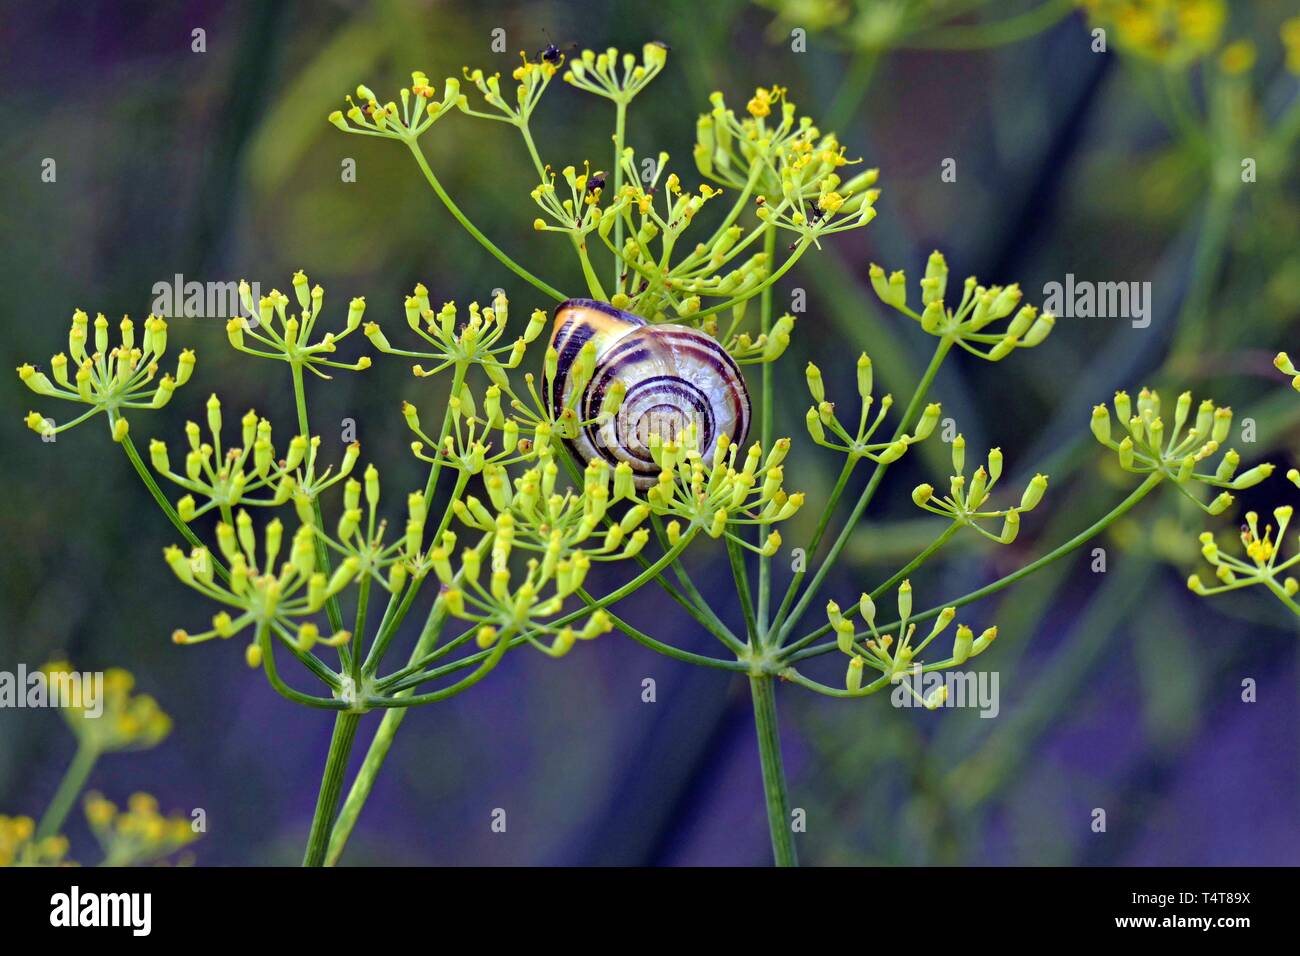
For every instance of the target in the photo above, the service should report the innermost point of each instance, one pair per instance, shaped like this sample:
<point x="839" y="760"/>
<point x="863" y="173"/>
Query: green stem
<point x="322" y="554"/>
<point x="66" y="795"/>
<point x="331" y="785"/>
<point x="486" y="665"/>
<point x="741" y="575"/>
<point x="769" y="755"/>
<point x="800" y="248"/>
<point x="917" y="561"/>
<point x="358" y="632"/>
<point x="834" y="499"/>
<point x="593" y="282"/>
<point x="1077" y="541"/>
<point x="786" y="624"/>
<point x="129" y="447"/>
<point x="620" y="122"/>
<point x="853" y="88"/>
<point x="393" y="617"/>
<point x="980" y="36"/>
<point x="579" y="245"/>
<point x="1210" y="245"/>
<point x="1282" y="596"/>
<point x="690" y="597"/>
<point x="377" y="752"/>
<point x="667" y="650"/>
<point x="765" y="438"/>
<point x="484" y="241"/>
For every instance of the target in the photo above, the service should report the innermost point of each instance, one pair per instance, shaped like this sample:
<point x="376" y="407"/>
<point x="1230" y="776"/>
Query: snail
<point x="675" y="376"/>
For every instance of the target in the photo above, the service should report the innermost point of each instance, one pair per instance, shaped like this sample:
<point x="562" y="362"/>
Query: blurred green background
<point x="1119" y="690"/>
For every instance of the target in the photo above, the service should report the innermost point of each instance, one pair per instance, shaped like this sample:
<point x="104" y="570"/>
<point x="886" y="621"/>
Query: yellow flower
<point x="128" y="721"/>
<point x="138" y="834"/>
<point x="1291" y="40"/>
<point x="830" y="202"/>
<point x="761" y="103"/>
<point x="1167" y="31"/>
<point x="18" y="849"/>
<point x="1237" y="57"/>
<point x="1258" y="549"/>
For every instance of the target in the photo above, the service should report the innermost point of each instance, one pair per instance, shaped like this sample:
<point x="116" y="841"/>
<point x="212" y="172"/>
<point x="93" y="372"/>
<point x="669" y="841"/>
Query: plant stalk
<point x="761" y="687"/>
<point x="765" y="437"/>
<point x="483" y="240"/>
<point x="331" y="785"/>
<point x="332" y="610"/>
<point x="64" y="797"/>
<point x="129" y="447"/>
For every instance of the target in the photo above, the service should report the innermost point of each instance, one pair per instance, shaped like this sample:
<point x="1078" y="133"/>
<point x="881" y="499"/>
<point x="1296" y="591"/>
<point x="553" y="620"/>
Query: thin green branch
<point x="1077" y="541"/>
<point x="762" y="689"/>
<point x="483" y="240"/>
<point x="785" y="624"/>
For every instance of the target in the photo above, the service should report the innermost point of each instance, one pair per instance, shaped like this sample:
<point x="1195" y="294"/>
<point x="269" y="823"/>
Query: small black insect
<point x="595" y="181"/>
<point x="553" y="54"/>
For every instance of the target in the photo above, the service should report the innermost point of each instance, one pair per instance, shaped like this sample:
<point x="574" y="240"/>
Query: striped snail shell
<point x="674" y="376"/>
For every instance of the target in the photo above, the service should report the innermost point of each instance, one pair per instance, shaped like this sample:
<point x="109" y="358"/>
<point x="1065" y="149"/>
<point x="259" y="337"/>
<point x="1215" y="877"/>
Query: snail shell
<point x="674" y="376"/>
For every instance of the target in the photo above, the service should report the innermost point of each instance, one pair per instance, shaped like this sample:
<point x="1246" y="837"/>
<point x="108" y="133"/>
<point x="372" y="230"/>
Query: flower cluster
<point x="1147" y="450"/>
<point x="965" y="502"/>
<point x="576" y="214"/>
<point x="468" y="446"/>
<point x="1172" y="32"/>
<point x="291" y="341"/>
<point x="474" y="341"/>
<point x="761" y="349"/>
<point x="790" y="167"/>
<point x="359" y="535"/>
<point x="18" y="846"/>
<point x="129" y="721"/>
<point x="137" y="834"/>
<point x="718" y="495"/>
<point x="657" y="288"/>
<point x="229" y="477"/>
<point x="895" y="658"/>
<point x="531" y="78"/>
<point x="1260" y="565"/>
<point x="600" y="73"/>
<point x="107" y="380"/>
<point x="419" y="110"/>
<point x="274" y="603"/>
<point x="562" y="533"/>
<point x="979" y="307"/>
<point x="858" y="443"/>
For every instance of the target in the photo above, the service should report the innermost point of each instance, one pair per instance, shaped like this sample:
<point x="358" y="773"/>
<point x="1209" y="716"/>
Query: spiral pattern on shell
<point x="674" y="376"/>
